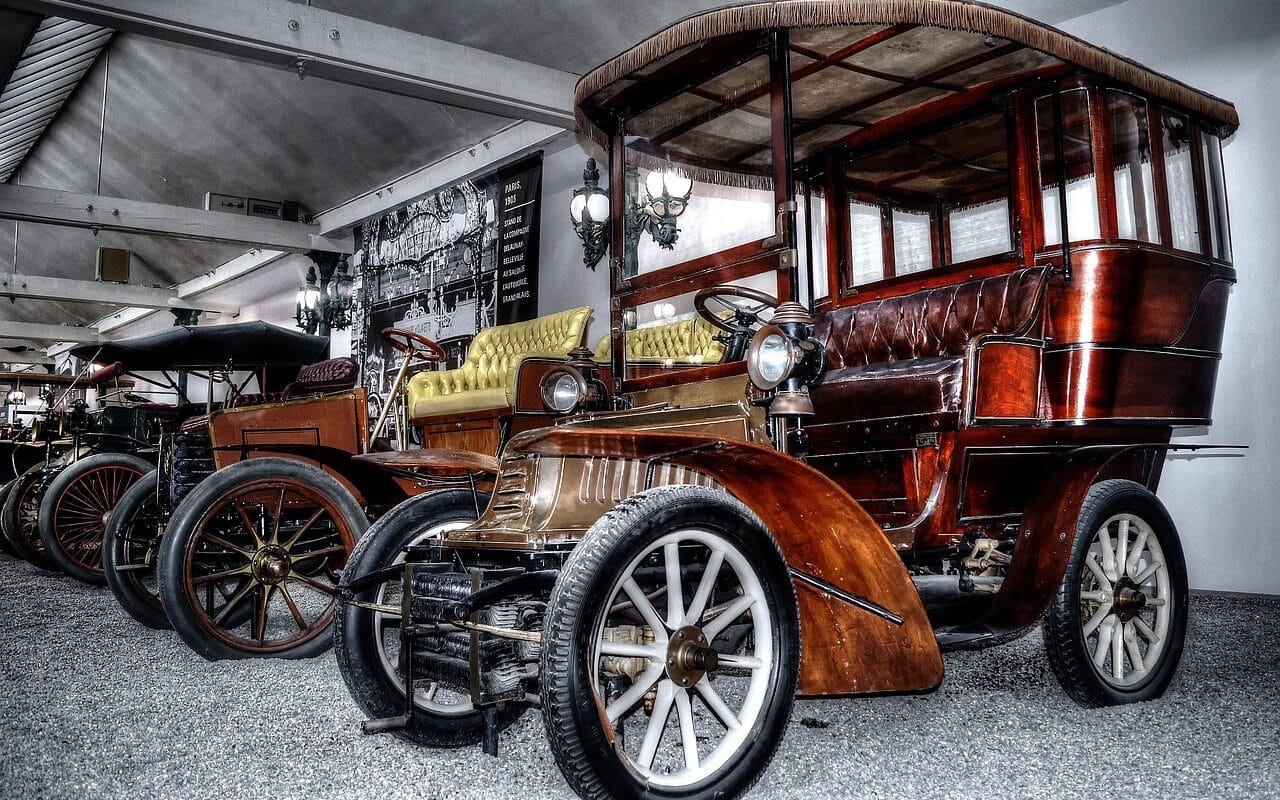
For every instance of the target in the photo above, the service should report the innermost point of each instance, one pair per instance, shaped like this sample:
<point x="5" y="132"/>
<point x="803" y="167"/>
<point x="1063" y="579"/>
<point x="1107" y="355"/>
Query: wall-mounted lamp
<point x="325" y="304"/>
<point x="589" y="212"/>
<point x="666" y="196"/>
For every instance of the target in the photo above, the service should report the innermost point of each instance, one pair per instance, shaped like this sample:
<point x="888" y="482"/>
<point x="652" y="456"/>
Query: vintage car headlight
<point x="563" y="389"/>
<point x="772" y="357"/>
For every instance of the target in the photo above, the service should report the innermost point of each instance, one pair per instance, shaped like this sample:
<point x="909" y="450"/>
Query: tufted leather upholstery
<point x="904" y="355"/>
<point x="487" y="378"/>
<point x="336" y="374"/>
<point x="686" y="341"/>
<point x="256" y="399"/>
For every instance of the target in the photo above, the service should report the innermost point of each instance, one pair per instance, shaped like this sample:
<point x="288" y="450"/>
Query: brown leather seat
<point x="905" y="355"/>
<point x="891" y="389"/>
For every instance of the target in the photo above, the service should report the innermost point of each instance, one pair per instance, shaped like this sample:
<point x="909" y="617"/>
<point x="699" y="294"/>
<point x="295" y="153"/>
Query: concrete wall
<point x="1227" y="509"/>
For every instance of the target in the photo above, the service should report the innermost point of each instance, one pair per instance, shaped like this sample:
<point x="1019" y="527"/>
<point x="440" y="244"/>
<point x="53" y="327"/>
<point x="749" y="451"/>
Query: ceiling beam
<point x="48" y="333"/>
<point x="505" y="145"/>
<point x="39" y="359"/>
<point x="232" y="270"/>
<point x="119" y="294"/>
<point x="71" y="209"/>
<point x="341" y="48"/>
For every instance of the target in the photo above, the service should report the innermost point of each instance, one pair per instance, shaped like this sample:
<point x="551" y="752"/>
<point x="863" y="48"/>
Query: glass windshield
<point x="680" y="206"/>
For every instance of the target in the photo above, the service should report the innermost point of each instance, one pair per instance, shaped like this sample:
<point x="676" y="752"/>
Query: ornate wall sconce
<point x="325" y="304"/>
<point x="666" y="196"/>
<point x="589" y="212"/>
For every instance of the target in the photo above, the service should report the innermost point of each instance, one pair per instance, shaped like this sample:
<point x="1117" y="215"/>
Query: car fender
<point x="1047" y="531"/>
<point x="836" y="552"/>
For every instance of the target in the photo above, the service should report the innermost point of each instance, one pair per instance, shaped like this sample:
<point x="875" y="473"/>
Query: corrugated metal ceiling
<point x="58" y="55"/>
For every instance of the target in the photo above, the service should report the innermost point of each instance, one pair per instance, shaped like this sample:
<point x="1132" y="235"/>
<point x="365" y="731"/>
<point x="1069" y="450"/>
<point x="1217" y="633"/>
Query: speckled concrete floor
<point x="93" y="705"/>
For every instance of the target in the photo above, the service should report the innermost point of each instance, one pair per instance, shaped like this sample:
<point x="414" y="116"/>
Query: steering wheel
<point x="413" y="345"/>
<point x="744" y="319"/>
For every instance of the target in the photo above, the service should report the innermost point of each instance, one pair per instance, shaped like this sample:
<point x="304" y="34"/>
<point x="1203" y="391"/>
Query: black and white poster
<point x="447" y="265"/>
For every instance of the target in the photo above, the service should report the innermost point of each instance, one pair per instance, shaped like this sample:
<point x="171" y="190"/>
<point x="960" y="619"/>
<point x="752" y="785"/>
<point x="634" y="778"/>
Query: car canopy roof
<point x="241" y="345"/>
<point x="700" y="89"/>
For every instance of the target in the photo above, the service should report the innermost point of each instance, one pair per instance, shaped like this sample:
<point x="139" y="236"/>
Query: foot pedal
<point x="372" y="726"/>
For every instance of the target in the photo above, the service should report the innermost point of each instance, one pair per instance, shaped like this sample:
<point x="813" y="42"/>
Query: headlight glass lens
<point x="774" y="359"/>
<point x="564" y="393"/>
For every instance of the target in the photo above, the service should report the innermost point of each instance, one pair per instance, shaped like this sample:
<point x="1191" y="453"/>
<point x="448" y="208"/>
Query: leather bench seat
<point x="918" y="386"/>
<point x="681" y="342"/>
<point x="487" y="378"/>
<point x="904" y="355"/>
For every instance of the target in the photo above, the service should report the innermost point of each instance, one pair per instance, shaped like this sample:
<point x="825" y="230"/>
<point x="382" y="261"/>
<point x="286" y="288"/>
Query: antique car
<point x="226" y="367"/>
<point x="237" y="539"/>
<point x="87" y="455"/>
<point x="1003" y="261"/>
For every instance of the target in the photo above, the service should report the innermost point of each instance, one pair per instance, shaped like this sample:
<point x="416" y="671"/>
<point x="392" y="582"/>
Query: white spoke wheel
<point x="367" y="642"/>
<point x="1114" y="633"/>
<point x="670" y="650"/>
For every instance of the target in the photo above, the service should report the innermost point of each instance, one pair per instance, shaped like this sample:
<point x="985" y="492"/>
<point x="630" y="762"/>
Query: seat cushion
<point x="891" y="389"/>
<point x="333" y="375"/>
<point x="459" y="403"/>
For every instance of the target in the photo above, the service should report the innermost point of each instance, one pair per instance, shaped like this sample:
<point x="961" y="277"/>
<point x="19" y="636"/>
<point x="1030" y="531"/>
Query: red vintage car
<point x="970" y="272"/>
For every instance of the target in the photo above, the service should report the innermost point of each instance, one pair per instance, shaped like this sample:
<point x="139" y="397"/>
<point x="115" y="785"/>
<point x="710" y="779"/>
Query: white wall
<point x="1226" y="509"/>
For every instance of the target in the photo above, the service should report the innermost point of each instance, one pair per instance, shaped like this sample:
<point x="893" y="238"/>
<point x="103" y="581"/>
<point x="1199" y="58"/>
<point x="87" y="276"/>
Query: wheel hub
<point x="689" y="657"/>
<point x="271" y="564"/>
<point x="1128" y="599"/>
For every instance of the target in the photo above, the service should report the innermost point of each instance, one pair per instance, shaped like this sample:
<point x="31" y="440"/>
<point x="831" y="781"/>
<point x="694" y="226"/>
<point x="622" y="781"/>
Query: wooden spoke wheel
<point x="74" y="509"/>
<point x="250" y="561"/>
<point x="20" y="513"/>
<point x="129" y="552"/>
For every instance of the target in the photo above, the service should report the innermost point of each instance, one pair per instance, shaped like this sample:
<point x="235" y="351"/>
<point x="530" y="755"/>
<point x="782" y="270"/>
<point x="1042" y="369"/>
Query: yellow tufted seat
<point x="487" y="378"/>
<point x="683" y="342"/>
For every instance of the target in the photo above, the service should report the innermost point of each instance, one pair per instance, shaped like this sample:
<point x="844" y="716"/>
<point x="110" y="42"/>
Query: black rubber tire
<point x="123" y="469"/>
<point x="28" y="546"/>
<point x="181" y="529"/>
<point x="355" y="637"/>
<point x="1063" y="632"/>
<point x="5" y="547"/>
<point x="585" y="757"/>
<point x="127" y="586"/>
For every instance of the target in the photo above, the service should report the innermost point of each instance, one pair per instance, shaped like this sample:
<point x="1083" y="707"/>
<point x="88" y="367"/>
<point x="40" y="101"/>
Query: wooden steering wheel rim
<point x="700" y="302"/>
<point x="413" y="344"/>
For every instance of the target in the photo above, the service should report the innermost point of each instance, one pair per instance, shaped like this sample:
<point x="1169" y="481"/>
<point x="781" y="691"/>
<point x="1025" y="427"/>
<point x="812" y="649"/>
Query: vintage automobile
<point x="1004" y="264"/>
<point x="241" y="366"/>
<point x="88" y="455"/>
<point x="237" y="539"/>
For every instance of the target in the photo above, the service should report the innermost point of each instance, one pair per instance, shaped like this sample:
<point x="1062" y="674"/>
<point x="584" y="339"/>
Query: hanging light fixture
<point x="324" y="302"/>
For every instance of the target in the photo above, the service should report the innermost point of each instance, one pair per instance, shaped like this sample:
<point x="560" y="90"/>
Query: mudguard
<point x="1047" y="532"/>
<point x="823" y="533"/>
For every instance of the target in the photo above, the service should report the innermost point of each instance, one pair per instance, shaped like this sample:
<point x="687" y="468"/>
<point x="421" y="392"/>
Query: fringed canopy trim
<point x="961" y="15"/>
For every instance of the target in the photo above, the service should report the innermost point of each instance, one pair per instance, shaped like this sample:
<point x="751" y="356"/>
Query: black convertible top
<point x="241" y="345"/>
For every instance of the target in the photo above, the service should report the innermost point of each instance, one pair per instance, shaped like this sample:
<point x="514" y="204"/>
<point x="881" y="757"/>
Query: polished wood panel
<point x="1105" y="383"/>
<point x="821" y="531"/>
<point x="1006" y="381"/>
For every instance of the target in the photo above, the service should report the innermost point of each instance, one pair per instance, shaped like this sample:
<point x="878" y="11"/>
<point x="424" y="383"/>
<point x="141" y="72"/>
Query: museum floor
<point x="94" y="705"/>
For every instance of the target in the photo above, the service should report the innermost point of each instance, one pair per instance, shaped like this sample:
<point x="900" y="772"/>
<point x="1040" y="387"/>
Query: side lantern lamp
<point x="664" y="199"/>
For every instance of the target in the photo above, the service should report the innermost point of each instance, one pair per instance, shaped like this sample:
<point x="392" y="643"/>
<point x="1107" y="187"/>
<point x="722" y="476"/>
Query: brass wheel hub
<point x="689" y="657"/>
<point x="271" y="564"/>
<point x="1128" y="599"/>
